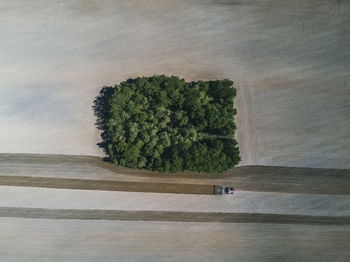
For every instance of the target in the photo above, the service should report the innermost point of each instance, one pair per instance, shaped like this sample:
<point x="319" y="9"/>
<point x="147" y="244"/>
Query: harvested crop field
<point x="329" y="207"/>
<point x="289" y="61"/>
<point x="81" y="172"/>
<point x="101" y="240"/>
<point x="75" y="208"/>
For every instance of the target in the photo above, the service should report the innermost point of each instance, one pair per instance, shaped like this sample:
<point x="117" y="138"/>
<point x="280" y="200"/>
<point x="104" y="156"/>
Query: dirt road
<point x="171" y="216"/>
<point x="107" y="185"/>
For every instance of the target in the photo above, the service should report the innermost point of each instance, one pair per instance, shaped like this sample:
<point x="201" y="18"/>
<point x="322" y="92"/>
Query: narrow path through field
<point x="84" y="172"/>
<point x="107" y="185"/>
<point x="170" y="216"/>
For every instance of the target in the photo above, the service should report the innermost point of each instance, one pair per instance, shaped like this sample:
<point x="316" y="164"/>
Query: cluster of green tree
<point x="169" y="125"/>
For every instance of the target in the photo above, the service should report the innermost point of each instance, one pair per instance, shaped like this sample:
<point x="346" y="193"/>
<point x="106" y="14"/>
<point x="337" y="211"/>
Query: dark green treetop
<point x="166" y="124"/>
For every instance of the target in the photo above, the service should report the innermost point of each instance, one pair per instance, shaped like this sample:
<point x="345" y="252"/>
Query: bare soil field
<point x="290" y="213"/>
<point x="290" y="64"/>
<point x="289" y="61"/>
<point x="39" y="240"/>
<point x="123" y="215"/>
<point x="321" y="205"/>
<point x="71" y="171"/>
<point x="175" y="188"/>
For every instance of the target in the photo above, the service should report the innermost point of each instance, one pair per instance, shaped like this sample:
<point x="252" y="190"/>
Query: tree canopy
<point x="165" y="124"/>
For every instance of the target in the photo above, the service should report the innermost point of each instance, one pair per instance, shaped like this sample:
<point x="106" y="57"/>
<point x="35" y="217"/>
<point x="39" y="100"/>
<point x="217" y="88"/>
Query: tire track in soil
<point x="41" y="6"/>
<point x="176" y="8"/>
<point x="253" y="204"/>
<point x="126" y="5"/>
<point x="282" y="202"/>
<point x="306" y="28"/>
<point x="302" y="36"/>
<point x="335" y="8"/>
<point x="225" y="5"/>
<point x="320" y="206"/>
<point x="132" y="4"/>
<point x="308" y="154"/>
<point x="239" y="122"/>
<point x="220" y="2"/>
<point x="250" y="102"/>
<point x="323" y="205"/>
<point x="246" y="125"/>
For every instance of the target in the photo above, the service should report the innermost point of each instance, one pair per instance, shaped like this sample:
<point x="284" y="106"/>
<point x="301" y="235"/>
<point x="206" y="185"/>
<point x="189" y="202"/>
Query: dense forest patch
<point x="165" y="124"/>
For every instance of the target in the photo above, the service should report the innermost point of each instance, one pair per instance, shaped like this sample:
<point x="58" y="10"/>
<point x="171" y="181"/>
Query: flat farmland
<point x="86" y="172"/>
<point x="319" y="205"/>
<point x="101" y="240"/>
<point x="289" y="61"/>
<point x="57" y="207"/>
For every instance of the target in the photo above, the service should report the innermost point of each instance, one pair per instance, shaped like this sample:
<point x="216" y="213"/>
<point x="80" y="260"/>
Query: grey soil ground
<point x="289" y="60"/>
<point x="241" y="202"/>
<point x="290" y="64"/>
<point x="104" y="241"/>
<point x="291" y="213"/>
<point x="107" y="185"/>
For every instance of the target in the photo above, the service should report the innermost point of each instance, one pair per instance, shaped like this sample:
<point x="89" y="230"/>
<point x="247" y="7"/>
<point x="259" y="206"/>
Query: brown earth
<point x="171" y="216"/>
<point x="85" y="172"/>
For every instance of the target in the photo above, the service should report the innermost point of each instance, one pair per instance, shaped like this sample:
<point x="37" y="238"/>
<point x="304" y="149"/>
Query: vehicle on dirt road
<point x="221" y="190"/>
<point x="229" y="191"/>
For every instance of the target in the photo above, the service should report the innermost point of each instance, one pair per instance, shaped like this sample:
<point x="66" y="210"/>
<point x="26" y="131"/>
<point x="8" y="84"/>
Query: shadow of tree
<point x="101" y="107"/>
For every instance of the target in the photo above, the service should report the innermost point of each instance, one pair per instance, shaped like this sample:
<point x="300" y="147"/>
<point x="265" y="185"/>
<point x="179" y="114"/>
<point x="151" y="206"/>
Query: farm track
<point x="93" y="173"/>
<point x="106" y="185"/>
<point x="170" y="216"/>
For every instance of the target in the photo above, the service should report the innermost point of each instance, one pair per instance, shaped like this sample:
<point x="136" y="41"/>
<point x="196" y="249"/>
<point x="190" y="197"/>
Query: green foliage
<point x="169" y="125"/>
